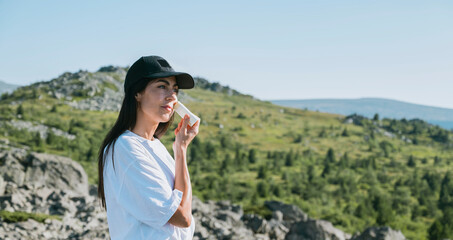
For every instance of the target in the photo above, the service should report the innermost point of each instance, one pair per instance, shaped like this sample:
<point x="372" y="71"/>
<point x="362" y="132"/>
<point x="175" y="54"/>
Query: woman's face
<point x="157" y="100"/>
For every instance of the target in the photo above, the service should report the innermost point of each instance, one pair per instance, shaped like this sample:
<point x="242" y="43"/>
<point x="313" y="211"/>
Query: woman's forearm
<point x="183" y="216"/>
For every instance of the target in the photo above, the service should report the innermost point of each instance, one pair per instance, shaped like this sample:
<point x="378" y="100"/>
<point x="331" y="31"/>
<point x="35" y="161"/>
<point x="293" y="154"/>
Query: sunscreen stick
<point x="182" y="111"/>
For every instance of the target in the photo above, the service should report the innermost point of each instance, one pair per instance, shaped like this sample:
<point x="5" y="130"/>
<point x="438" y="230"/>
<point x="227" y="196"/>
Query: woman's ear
<point x="138" y="97"/>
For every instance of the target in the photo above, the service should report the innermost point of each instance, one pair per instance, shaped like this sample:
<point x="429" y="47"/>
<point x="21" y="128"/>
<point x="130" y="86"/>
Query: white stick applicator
<point x="183" y="110"/>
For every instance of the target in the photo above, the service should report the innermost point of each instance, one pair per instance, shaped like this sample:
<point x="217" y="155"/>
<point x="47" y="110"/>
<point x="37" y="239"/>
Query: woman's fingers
<point x="194" y="128"/>
<point x="179" y="126"/>
<point x="185" y="122"/>
<point x="185" y="133"/>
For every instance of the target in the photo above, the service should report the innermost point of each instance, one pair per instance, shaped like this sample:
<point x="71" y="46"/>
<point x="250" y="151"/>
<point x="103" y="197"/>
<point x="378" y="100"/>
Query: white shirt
<point x="139" y="191"/>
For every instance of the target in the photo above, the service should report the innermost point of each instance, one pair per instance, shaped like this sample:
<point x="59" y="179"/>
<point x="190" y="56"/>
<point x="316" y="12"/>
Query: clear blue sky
<point x="400" y="50"/>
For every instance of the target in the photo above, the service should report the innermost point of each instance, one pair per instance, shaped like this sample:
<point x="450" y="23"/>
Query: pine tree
<point x="376" y="117"/>
<point x="90" y="154"/>
<point x="411" y="161"/>
<point x="436" y="230"/>
<point x="311" y="173"/>
<point x="262" y="172"/>
<point x="384" y="211"/>
<point x="372" y="135"/>
<point x="269" y="155"/>
<point x="364" y="209"/>
<point x="20" y="110"/>
<point x="196" y="142"/>
<point x="225" y="142"/>
<point x="437" y="160"/>
<point x="50" y="138"/>
<point x="262" y="189"/>
<point x="330" y="156"/>
<point x="227" y="164"/>
<point x="323" y="133"/>
<point x="237" y="157"/>
<point x="211" y="150"/>
<point x="37" y="139"/>
<point x="54" y="109"/>
<point x="298" y="138"/>
<point x="345" y="133"/>
<point x="277" y="190"/>
<point x="344" y="161"/>
<point x="326" y="170"/>
<point x="252" y="156"/>
<point x="446" y="192"/>
<point x="442" y="228"/>
<point x="194" y="154"/>
<point x="289" y="161"/>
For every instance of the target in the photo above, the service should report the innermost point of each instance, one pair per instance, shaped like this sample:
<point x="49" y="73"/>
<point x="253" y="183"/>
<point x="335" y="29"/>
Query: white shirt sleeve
<point x="144" y="191"/>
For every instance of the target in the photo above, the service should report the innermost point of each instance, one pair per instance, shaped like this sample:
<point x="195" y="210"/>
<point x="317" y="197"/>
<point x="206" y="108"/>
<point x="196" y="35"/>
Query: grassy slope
<point x="275" y="128"/>
<point x="266" y="127"/>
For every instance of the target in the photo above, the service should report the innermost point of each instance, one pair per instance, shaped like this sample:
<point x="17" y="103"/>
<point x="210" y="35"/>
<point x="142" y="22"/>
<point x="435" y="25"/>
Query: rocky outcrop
<point x="53" y="185"/>
<point x="43" y="130"/>
<point x="43" y="183"/>
<point x="290" y="213"/>
<point x="215" y="86"/>
<point x="316" y="230"/>
<point x="103" y="90"/>
<point x="219" y="220"/>
<point x="380" y="233"/>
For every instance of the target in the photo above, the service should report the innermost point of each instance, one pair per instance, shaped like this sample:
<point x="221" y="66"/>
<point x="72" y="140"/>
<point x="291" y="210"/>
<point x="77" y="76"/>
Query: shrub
<point x="13" y="217"/>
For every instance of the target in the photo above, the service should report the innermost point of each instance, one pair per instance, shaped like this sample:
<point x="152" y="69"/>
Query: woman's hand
<point x="185" y="133"/>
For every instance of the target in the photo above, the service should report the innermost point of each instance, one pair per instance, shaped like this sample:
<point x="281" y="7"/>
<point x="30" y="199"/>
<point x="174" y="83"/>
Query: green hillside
<point x="352" y="171"/>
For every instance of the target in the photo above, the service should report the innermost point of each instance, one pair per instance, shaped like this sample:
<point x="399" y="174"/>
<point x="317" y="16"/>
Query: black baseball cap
<point x="155" y="67"/>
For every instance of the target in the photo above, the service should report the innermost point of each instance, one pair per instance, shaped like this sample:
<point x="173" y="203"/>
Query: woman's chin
<point x="165" y="119"/>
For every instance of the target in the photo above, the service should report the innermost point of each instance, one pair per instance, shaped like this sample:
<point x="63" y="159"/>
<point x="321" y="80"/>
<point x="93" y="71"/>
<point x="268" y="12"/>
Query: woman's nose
<point x="172" y="95"/>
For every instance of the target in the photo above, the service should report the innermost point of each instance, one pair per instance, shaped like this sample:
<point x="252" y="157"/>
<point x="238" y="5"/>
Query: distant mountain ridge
<point x="7" y="87"/>
<point x="386" y="108"/>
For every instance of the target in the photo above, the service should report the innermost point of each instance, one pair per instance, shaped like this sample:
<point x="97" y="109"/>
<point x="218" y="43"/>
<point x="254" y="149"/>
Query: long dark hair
<point x="126" y="120"/>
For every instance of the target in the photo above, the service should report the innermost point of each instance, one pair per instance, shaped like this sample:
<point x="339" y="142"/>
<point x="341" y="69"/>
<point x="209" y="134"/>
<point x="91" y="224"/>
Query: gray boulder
<point x="11" y="168"/>
<point x="290" y="212"/>
<point x="219" y="220"/>
<point x="278" y="229"/>
<point x="256" y="223"/>
<point x="2" y="185"/>
<point x="315" y="230"/>
<point x="272" y="228"/>
<point x="379" y="233"/>
<point x="45" y="170"/>
<point x="48" y="184"/>
<point x="38" y="170"/>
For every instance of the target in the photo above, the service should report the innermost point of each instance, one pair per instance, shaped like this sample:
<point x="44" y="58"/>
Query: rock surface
<point x="380" y="233"/>
<point x="103" y="90"/>
<point x="43" y="130"/>
<point x="53" y="185"/>
<point x="43" y="183"/>
<point x="316" y="230"/>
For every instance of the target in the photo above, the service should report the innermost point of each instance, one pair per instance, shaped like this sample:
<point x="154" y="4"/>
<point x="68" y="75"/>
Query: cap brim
<point x="184" y="80"/>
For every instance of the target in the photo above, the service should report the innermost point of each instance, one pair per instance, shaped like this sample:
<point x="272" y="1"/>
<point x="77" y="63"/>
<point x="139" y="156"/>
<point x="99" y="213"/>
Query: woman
<point x="146" y="193"/>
